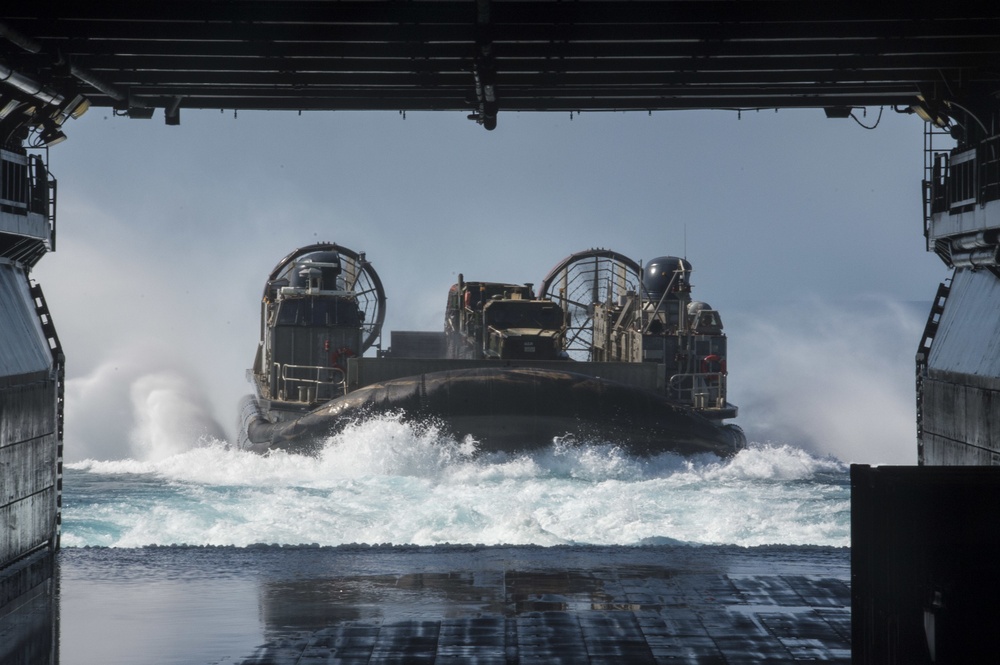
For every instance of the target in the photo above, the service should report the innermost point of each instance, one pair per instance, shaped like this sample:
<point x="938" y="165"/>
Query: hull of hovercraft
<point x="510" y="410"/>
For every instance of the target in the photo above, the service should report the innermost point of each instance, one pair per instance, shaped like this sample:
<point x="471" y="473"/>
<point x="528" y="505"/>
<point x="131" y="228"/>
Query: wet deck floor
<point x="453" y="604"/>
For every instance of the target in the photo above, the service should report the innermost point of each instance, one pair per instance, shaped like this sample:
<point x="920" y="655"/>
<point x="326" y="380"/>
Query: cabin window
<point x="524" y="314"/>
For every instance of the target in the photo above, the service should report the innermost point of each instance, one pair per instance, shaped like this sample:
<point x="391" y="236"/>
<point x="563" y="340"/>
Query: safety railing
<point x="27" y="206"/>
<point x="956" y="179"/>
<point x="24" y="183"/>
<point x="989" y="169"/>
<point x="309" y="383"/>
<point x="701" y="390"/>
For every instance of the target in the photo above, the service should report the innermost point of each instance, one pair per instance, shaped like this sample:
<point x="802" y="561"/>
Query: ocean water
<point x="387" y="481"/>
<point x="819" y="386"/>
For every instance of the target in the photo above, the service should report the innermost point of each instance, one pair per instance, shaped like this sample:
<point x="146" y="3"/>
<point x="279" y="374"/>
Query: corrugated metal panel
<point x="968" y="339"/>
<point x="30" y="523"/>
<point x="24" y="349"/>
<point x="939" y="451"/>
<point x="28" y="468"/>
<point x="15" y="584"/>
<point x="27" y="411"/>
<point x="961" y="413"/>
<point x="29" y="445"/>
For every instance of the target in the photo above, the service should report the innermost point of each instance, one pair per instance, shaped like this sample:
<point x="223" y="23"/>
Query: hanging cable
<point x="876" y="119"/>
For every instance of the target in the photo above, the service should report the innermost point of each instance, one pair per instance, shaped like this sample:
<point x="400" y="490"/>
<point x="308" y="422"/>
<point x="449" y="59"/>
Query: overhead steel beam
<point x="485" y="56"/>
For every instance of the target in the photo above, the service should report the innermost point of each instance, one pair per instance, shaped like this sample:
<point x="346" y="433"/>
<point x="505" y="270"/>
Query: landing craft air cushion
<point x="607" y="351"/>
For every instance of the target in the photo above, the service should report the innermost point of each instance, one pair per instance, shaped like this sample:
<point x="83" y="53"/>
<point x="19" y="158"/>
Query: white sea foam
<point x="833" y="380"/>
<point x="143" y="404"/>
<point x="387" y="481"/>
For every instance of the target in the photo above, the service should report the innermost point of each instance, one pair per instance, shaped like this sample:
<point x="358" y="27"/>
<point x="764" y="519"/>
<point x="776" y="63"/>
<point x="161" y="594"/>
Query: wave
<point x="389" y="481"/>
<point x="144" y="403"/>
<point x="390" y="446"/>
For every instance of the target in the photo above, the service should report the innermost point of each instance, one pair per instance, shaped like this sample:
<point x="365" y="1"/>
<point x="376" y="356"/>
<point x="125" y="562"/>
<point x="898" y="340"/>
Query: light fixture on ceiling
<point x="9" y="108"/>
<point x="76" y="107"/>
<point x="50" y="134"/>
<point x="930" y="112"/>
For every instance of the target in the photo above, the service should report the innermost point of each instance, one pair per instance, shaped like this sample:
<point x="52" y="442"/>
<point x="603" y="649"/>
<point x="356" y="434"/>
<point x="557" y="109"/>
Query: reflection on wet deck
<point x="273" y="605"/>
<point x="572" y="605"/>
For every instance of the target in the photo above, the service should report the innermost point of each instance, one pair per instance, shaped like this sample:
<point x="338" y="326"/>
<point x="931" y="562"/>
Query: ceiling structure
<point x="490" y="56"/>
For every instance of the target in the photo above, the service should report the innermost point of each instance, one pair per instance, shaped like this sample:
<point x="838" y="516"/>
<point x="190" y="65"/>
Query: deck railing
<point x="309" y="383"/>
<point x="27" y="207"/>
<point x="701" y="390"/>
<point x="957" y="179"/>
<point x="24" y="183"/>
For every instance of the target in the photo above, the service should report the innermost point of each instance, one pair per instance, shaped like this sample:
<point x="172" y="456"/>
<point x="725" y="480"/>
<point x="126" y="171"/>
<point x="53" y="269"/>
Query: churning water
<point x="818" y="385"/>
<point x="387" y="481"/>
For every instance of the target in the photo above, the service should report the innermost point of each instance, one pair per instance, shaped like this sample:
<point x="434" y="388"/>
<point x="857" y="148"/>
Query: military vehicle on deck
<point x="503" y="321"/>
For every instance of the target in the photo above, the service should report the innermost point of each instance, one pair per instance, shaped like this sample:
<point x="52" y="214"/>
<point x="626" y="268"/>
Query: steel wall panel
<point x="27" y="524"/>
<point x="24" y="350"/>
<point x="968" y="337"/>
<point x="27" y="412"/>
<point x="28" y="468"/>
<point x="939" y="451"/>
<point x="29" y="449"/>
<point x="964" y="415"/>
<point x="16" y="581"/>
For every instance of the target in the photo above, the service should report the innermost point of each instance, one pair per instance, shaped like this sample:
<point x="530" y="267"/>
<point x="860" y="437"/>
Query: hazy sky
<point x="165" y="234"/>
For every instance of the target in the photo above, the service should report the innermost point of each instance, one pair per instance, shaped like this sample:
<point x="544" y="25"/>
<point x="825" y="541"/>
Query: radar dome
<point x="660" y="271"/>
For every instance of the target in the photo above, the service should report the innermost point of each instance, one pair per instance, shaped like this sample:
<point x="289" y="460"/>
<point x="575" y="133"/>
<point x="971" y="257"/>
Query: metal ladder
<point x="923" y="354"/>
<point x="933" y="321"/>
<point x="59" y="365"/>
<point x="935" y="168"/>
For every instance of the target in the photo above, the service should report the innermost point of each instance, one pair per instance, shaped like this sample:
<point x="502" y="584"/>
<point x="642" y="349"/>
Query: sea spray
<point x="837" y="378"/>
<point x="142" y="403"/>
<point x="169" y="414"/>
<point x="389" y="481"/>
<point x="831" y="378"/>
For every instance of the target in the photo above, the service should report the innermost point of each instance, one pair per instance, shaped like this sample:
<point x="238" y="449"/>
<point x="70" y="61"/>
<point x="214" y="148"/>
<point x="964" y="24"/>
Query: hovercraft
<point x="607" y="351"/>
